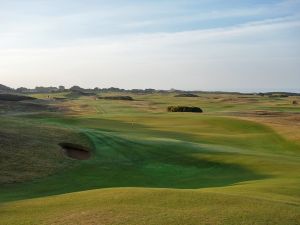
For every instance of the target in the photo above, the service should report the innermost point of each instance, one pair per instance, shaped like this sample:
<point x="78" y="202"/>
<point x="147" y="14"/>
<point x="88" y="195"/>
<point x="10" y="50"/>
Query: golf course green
<point x="238" y="162"/>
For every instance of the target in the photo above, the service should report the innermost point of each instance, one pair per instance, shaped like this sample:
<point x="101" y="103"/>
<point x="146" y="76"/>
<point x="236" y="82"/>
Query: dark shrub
<point x="186" y="95"/>
<point x="283" y="96"/>
<point x="184" y="109"/>
<point x="59" y="98"/>
<point x="278" y="96"/>
<point x="126" y="98"/>
<point x="295" y="102"/>
<point x="78" y="94"/>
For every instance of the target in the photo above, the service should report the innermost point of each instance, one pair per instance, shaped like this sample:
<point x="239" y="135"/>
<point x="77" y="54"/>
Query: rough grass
<point x="29" y="150"/>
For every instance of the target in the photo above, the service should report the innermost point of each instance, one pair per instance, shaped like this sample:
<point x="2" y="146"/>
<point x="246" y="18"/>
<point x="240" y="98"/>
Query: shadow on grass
<point x="131" y="162"/>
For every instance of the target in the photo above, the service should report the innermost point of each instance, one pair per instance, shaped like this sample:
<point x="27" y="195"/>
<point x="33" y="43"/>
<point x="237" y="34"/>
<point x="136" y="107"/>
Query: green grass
<point x="143" y="163"/>
<point x="149" y="206"/>
<point x="149" y="166"/>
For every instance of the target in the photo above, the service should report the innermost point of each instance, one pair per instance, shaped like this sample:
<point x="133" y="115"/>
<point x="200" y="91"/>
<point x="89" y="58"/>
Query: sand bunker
<point x="75" y="151"/>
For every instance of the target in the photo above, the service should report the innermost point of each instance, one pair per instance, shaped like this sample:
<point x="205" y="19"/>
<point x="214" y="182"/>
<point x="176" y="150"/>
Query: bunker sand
<point x="75" y="151"/>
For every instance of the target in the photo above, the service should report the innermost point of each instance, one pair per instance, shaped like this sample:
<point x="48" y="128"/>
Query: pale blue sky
<point x="185" y="44"/>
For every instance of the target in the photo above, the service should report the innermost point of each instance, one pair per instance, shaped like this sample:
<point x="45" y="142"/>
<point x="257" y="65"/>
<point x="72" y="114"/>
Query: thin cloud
<point x="138" y="44"/>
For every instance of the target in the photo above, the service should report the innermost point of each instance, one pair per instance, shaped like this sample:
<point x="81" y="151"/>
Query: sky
<point x="228" y="45"/>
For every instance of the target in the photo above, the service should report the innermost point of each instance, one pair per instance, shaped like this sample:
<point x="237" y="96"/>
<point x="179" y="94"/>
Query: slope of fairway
<point x="131" y="162"/>
<point x="150" y="206"/>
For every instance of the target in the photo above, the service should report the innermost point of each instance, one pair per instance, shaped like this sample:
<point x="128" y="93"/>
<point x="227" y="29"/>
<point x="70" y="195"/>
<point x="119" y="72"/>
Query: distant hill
<point x="4" y="88"/>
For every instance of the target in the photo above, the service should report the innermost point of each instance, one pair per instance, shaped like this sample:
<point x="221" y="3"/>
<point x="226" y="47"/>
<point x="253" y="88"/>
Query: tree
<point x="61" y="88"/>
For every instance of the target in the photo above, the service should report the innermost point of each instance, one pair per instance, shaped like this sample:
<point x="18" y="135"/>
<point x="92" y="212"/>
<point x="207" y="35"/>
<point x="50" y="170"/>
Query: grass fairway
<point x="230" y="165"/>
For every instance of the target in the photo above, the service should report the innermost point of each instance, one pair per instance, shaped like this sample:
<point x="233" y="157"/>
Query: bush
<point x="186" y="95"/>
<point x="278" y="96"/>
<point x="78" y="94"/>
<point x="126" y="98"/>
<point x="184" y="109"/>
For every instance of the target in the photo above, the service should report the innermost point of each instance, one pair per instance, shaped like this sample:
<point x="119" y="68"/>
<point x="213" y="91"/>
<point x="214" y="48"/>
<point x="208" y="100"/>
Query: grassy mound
<point x="15" y="98"/>
<point x="29" y="150"/>
<point x="184" y="109"/>
<point x="28" y="107"/>
<point x="136" y="206"/>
